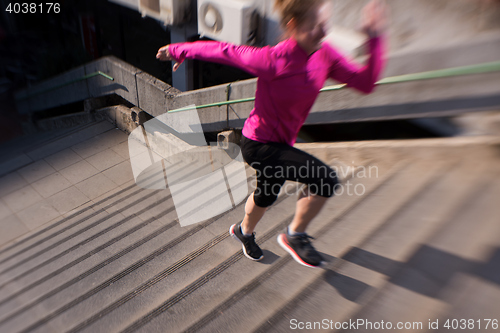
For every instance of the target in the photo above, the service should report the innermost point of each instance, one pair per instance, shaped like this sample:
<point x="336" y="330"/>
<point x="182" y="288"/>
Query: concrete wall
<point x="46" y="94"/>
<point x="417" y="25"/>
<point x="129" y="82"/>
<point x="427" y="98"/>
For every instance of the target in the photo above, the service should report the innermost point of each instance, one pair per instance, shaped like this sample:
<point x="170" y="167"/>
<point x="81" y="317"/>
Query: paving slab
<point x="88" y="206"/>
<point x="51" y="185"/>
<point x="71" y="138"/>
<point x="11" y="182"/>
<point x="105" y="159"/>
<point x="4" y="210"/>
<point x="22" y="198"/>
<point x="120" y="173"/>
<point x="96" y="185"/>
<point x="68" y="199"/>
<point x="122" y="150"/>
<point x="63" y="159"/>
<point x="38" y="214"/>
<point x="12" y="227"/>
<point x="100" y="142"/>
<point x="14" y="163"/>
<point x="36" y="171"/>
<point x="79" y="171"/>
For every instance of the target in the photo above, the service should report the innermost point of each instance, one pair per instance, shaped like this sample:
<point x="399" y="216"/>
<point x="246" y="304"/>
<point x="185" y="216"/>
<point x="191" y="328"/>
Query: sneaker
<point x="301" y="249"/>
<point x="250" y="249"/>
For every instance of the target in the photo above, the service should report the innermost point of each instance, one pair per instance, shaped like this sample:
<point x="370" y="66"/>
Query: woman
<point x="290" y="76"/>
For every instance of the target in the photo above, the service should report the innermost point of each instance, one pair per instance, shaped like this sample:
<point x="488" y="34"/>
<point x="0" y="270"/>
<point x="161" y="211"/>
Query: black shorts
<point x="275" y="163"/>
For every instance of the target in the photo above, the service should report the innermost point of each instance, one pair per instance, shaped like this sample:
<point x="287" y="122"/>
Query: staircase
<point x="418" y="242"/>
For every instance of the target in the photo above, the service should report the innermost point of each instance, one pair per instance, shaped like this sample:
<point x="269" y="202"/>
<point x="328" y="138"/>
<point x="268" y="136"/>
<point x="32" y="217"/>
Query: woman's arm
<point x="364" y="79"/>
<point x="254" y="60"/>
<point x="361" y="78"/>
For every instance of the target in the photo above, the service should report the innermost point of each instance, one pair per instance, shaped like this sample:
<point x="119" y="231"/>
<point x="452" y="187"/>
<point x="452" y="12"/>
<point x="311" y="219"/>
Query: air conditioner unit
<point x="170" y="12"/>
<point x="234" y="21"/>
<point x="132" y="4"/>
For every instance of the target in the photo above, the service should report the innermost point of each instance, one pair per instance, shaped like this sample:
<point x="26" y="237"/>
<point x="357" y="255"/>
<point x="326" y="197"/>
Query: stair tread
<point x="365" y="269"/>
<point x="218" y="288"/>
<point x="125" y="264"/>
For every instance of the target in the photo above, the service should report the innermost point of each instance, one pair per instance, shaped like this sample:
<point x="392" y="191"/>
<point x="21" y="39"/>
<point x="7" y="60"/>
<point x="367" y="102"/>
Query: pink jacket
<point x="288" y="82"/>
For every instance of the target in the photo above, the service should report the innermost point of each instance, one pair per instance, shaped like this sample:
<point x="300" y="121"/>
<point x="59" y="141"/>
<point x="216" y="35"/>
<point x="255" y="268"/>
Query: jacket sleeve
<point x="254" y="60"/>
<point x="361" y="78"/>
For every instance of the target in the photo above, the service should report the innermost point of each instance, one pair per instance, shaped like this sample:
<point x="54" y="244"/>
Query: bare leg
<point x="308" y="206"/>
<point x="253" y="214"/>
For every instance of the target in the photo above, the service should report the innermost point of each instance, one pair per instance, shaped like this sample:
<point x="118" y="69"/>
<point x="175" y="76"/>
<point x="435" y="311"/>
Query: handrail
<point x="436" y="74"/>
<point x="88" y="76"/>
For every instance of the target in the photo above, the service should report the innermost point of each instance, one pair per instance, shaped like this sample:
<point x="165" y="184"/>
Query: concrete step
<point x="334" y="238"/>
<point x="132" y="220"/>
<point x="473" y="293"/>
<point x="127" y="200"/>
<point x="367" y="266"/>
<point x="223" y="283"/>
<point x="54" y="273"/>
<point x="121" y="198"/>
<point x="81" y="232"/>
<point x="72" y="221"/>
<point x="67" y="311"/>
<point x="123" y="264"/>
<point x="431" y="281"/>
<point x="174" y="255"/>
<point x="44" y="193"/>
<point x="278" y="217"/>
<point x="94" y="248"/>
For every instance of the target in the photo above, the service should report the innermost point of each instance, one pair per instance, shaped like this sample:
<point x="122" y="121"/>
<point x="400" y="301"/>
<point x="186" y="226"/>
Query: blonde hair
<point x="295" y="9"/>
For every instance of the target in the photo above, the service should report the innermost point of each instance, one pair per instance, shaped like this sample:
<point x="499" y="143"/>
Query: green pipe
<point x="235" y="101"/>
<point x="88" y="76"/>
<point x="441" y="73"/>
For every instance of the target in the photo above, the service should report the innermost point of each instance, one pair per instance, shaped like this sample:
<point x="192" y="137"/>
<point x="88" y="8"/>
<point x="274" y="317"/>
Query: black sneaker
<point x="250" y="249"/>
<point x="301" y="249"/>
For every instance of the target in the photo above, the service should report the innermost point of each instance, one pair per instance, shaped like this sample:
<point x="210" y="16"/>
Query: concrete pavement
<point x="413" y="238"/>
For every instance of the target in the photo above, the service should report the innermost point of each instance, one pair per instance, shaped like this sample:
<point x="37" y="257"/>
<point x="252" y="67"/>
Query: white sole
<point x="295" y="257"/>
<point x="231" y="232"/>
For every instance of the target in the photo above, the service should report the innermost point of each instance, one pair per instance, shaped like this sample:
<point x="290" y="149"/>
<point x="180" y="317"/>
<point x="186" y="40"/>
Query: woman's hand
<point x="374" y="18"/>
<point x="164" y="55"/>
